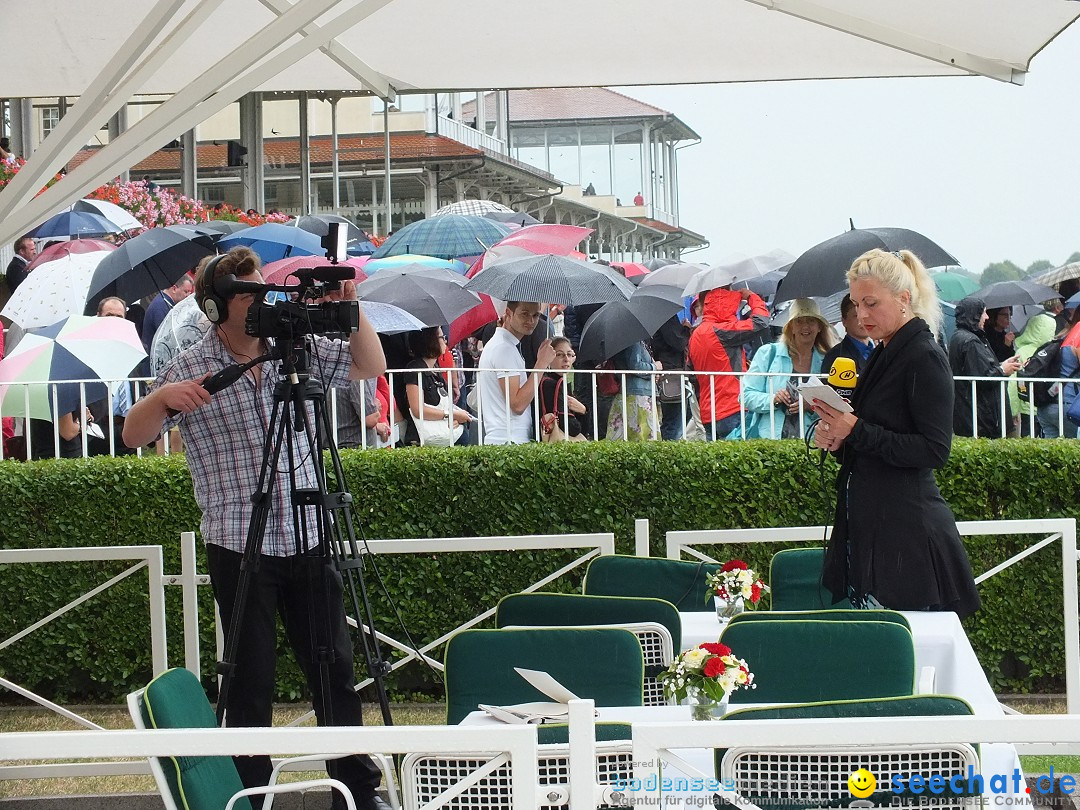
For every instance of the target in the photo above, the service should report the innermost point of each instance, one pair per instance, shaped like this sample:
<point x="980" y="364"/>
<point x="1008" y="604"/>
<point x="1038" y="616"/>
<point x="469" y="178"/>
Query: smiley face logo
<point x="861" y="783"/>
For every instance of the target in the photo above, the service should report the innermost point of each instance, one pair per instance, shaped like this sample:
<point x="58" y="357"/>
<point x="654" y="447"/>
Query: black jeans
<point x="306" y="591"/>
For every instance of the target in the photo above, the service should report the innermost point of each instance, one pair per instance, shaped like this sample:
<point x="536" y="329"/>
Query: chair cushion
<point x="175" y="699"/>
<point x="569" y="609"/>
<point x="677" y="581"/>
<point x="602" y="664"/>
<point x="804" y="660"/>
<point x="795" y="580"/>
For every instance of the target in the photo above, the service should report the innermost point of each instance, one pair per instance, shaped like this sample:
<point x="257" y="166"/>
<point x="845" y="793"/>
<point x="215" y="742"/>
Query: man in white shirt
<point x="502" y="376"/>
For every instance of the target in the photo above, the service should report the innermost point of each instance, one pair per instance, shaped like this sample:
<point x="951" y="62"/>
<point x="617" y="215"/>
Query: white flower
<point x="695" y="658"/>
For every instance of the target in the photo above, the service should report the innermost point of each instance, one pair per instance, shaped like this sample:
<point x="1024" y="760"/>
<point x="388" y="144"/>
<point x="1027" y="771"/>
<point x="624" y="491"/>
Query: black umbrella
<point x="151" y="261"/>
<point x="512" y="217"/>
<point x="1014" y="294"/>
<point x="551" y="279"/>
<point x="619" y="324"/>
<point x="822" y="269"/>
<point x="434" y="295"/>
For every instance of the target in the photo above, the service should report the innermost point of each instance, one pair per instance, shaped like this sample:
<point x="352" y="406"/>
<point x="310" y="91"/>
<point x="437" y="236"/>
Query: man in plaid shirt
<point x="224" y="436"/>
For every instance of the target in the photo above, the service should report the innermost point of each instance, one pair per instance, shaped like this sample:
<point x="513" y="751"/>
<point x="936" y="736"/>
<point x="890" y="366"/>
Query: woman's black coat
<point x="890" y="517"/>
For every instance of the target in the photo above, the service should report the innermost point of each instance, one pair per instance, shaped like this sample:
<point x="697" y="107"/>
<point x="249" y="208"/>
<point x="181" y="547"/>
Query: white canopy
<point x="208" y="53"/>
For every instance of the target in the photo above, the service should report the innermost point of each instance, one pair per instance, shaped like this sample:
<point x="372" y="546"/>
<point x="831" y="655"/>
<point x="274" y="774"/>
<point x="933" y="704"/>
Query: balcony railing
<point x="469" y="136"/>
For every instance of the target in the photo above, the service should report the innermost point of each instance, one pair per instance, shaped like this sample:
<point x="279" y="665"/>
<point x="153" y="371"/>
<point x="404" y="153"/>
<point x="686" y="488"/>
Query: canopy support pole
<point x="890" y="37"/>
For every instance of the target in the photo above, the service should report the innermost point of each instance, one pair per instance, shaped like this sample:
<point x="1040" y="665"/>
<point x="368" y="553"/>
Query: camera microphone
<point x="310" y="274"/>
<point x="228" y="286"/>
<point x="843" y="378"/>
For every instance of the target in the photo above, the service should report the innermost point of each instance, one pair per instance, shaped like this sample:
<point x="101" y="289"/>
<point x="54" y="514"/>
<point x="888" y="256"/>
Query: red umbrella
<point x="631" y="269"/>
<point x="61" y="249"/>
<point x="277" y="272"/>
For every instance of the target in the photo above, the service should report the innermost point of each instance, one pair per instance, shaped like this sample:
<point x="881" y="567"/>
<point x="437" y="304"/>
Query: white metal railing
<point x="470" y="136"/>
<point x="584" y="385"/>
<point x="1054" y="529"/>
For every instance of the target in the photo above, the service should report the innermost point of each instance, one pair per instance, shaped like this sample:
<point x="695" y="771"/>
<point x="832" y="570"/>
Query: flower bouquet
<point x="733" y="586"/>
<point x="708" y="672"/>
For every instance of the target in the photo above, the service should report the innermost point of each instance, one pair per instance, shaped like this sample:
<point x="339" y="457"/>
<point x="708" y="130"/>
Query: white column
<point x="305" y="155"/>
<point x="117" y="124"/>
<point x="431" y="192"/>
<point x="647" y="186"/>
<point x="334" y="168"/>
<point x="189" y="166"/>
<point x="675" y="183"/>
<point x="22" y="127"/>
<point x="251" y="136"/>
<point x="502" y="111"/>
<point x="375" y="207"/>
<point x="481" y="113"/>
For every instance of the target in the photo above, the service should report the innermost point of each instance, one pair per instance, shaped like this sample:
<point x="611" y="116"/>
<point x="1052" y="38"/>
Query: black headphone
<point x="215" y="305"/>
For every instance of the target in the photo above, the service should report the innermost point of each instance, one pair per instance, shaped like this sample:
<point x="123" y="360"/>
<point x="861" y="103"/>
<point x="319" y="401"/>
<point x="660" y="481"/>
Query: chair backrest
<point x="804" y="661"/>
<point x="795" y="581"/>
<point x="679" y="582"/>
<point x="781" y="774"/>
<point x="175" y="699"/>
<point x="838" y="615"/>
<point x="603" y="664"/>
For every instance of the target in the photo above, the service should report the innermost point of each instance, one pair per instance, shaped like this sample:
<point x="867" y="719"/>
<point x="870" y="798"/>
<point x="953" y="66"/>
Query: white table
<point x="940" y="642"/>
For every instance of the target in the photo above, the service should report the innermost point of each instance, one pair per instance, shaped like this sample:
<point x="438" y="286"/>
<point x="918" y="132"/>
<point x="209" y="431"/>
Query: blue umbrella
<point x="75" y="223"/>
<point x="446" y="237"/>
<point x="274" y="241"/>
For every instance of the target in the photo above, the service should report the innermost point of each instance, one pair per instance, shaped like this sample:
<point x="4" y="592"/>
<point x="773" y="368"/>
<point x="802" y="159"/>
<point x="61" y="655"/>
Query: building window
<point x="50" y="118"/>
<point x="529" y="145"/>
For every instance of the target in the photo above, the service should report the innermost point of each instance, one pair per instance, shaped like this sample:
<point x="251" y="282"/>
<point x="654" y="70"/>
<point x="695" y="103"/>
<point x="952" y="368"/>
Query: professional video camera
<point x="286" y="312"/>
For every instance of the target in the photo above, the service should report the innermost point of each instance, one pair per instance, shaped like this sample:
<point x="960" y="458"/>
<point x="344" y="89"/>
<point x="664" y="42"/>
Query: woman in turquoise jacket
<point x="772" y="402"/>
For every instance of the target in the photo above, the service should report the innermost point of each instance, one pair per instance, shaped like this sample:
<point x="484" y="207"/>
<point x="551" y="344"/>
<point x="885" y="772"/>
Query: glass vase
<point x="703" y="707"/>
<point x="727" y="609"/>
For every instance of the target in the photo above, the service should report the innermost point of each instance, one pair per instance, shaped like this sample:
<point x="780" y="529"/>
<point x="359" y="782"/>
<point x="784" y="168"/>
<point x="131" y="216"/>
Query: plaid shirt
<point x="224" y="443"/>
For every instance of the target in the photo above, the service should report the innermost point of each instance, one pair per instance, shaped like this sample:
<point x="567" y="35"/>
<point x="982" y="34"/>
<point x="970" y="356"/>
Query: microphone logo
<point x="842" y="377"/>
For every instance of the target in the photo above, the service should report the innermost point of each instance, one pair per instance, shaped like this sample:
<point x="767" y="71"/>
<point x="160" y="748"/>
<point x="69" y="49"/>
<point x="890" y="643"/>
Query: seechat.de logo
<point x="862" y="783"/>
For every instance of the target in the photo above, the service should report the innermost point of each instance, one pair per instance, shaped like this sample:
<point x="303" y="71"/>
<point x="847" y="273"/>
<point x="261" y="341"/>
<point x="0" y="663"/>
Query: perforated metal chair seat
<point x="427" y="777"/>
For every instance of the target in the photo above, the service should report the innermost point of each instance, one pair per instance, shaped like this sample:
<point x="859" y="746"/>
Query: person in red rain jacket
<point x="716" y="345"/>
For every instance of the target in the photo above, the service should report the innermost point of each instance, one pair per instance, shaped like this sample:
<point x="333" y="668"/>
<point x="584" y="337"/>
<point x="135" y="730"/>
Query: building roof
<point x="286" y="152"/>
<point x="575" y="104"/>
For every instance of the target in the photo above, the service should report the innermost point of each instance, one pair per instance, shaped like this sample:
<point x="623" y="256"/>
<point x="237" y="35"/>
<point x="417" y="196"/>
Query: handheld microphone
<point x="843" y="378"/>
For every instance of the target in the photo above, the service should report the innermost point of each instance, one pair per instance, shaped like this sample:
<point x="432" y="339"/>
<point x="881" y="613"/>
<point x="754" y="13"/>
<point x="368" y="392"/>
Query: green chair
<point x="604" y="664"/>
<point x="655" y="622"/>
<point x="795" y="581"/>
<point x="838" y="615"/>
<point x="677" y="581"/>
<point x="175" y="699"/>
<point x="811" y="660"/>
<point x="816" y="776"/>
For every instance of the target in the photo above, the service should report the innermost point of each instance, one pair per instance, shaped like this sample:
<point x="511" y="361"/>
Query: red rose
<point x="755" y="593"/>
<point x="716" y="648"/>
<point x="714" y="666"/>
<point x="734" y="565"/>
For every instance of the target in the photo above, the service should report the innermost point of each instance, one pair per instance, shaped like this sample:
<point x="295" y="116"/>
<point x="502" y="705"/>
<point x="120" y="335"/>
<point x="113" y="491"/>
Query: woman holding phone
<point x="902" y="551"/>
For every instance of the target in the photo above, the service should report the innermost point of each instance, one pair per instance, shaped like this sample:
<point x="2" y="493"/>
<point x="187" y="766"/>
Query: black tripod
<point x="331" y="524"/>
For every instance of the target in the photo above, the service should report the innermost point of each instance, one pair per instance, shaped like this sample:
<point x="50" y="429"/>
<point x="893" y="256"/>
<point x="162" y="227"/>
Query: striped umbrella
<point x="1051" y="278"/>
<point x="372" y="266"/>
<point x="76" y="348"/>
<point x="553" y="280"/>
<point x="447" y="237"/>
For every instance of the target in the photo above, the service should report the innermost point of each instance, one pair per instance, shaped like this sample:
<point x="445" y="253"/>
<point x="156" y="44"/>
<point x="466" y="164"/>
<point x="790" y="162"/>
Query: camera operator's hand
<point x="183" y="397"/>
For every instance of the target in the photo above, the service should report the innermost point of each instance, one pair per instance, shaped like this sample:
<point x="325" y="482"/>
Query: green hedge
<point x="101" y="649"/>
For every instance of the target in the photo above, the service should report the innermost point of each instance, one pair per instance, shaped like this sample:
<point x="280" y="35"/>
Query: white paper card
<point x="547" y="685"/>
<point x="817" y="390"/>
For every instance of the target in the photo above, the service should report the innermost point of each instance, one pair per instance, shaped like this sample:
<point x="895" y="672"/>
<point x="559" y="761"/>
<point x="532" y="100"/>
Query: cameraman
<point x="224" y="437"/>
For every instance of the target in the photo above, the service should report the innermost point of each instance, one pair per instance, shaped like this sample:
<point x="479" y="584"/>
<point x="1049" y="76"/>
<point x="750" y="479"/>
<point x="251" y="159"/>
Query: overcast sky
<point x="988" y="170"/>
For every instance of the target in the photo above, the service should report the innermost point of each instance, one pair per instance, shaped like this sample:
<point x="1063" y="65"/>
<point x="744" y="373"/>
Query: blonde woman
<point x="894" y="542"/>
<point x="769" y="392"/>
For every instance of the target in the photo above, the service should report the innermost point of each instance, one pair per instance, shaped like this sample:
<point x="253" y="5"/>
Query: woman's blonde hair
<point x="900" y="272"/>
<point x="808" y="308"/>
